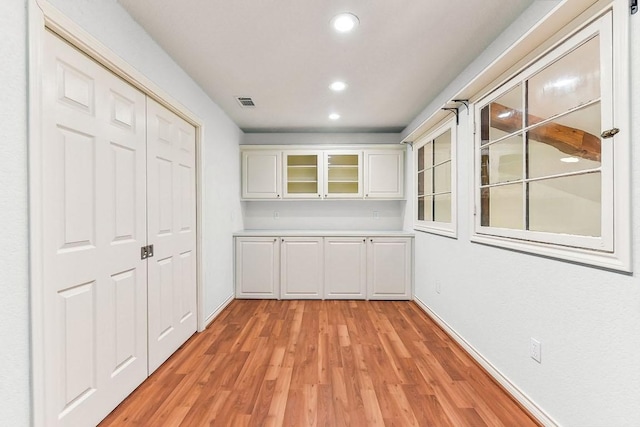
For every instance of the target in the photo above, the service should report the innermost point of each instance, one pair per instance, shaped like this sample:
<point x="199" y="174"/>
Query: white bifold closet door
<point x="94" y="223"/>
<point x="171" y="196"/>
<point x="110" y="186"/>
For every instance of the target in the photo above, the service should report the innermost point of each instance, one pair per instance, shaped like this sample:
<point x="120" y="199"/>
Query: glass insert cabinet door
<point x="303" y="175"/>
<point x="343" y="173"/>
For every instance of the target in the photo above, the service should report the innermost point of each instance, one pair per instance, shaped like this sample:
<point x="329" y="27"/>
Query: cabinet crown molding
<point x="323" y="147"/>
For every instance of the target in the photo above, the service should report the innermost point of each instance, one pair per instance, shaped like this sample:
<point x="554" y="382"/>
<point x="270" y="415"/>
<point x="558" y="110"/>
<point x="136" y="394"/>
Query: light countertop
<point x="323" y="233"/>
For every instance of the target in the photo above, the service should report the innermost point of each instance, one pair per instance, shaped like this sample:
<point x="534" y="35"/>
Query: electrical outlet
<point x="276" y="215"/>
<point x="438" y="286"/>
<point x="376" y="215"/>
<point x="535" y="350"/>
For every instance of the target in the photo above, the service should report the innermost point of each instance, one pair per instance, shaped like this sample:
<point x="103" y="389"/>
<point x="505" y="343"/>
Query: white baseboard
<point x="217" y="311"/>
<point x="511" y="388"/>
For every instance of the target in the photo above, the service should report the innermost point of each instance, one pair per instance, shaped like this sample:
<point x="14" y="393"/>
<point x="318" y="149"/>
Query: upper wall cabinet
<point x="302" y="172"/>
<point x="384" y="174"/>
<point x="306" y="172"/>
<point x="261" y="174"/>
<point x="343" y="172"/>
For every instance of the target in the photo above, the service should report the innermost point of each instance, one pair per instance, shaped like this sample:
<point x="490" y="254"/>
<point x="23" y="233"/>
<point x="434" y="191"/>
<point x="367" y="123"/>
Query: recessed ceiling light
<point x="570" y="159"/>
<point x="338" y="86"/>
<point x="334" y="116"/>
<point x="345" y="22"/>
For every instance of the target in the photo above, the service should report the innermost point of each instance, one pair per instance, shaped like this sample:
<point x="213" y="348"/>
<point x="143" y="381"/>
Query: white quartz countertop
<point x="323" y="233"/>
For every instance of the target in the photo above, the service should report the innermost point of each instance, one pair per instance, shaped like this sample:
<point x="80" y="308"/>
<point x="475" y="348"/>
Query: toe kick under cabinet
<point x="287" y="265"/>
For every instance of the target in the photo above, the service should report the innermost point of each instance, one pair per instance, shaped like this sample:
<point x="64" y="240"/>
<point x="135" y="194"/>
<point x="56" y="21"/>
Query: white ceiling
<point x="284" y="55"/>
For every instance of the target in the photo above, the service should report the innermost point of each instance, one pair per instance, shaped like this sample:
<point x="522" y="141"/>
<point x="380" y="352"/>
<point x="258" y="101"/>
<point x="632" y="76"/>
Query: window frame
<point x="448" y="229"/>
<point x="612" y="249"/>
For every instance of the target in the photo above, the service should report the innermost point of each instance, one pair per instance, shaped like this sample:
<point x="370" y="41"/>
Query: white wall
<point x="587" y="319"/>
<point x="14" y="274"/>
<point x="107" y="21"/>
<point x="324" y="215"/>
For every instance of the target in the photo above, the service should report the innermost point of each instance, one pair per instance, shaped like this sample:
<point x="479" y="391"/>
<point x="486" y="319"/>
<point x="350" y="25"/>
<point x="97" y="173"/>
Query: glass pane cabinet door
<point x="343" y="175"/>
<point x="302" y="175"/>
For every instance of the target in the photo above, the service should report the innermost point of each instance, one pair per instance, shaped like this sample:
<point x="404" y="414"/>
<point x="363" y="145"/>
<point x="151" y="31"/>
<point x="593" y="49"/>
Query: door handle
<point x="146" y="252"/>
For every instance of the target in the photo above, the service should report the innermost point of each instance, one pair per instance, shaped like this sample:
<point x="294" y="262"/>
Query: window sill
<point x="605" y="260"/>
<point x="435" y="229"/>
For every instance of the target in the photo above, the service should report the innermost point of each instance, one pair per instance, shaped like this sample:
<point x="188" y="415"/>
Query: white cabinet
<point x="261" y="174"/>
<point x="257" y="267"/>
<point x="301" y="268"/>
<point x="302" y="172"/>
<point x="389" y="268"/>
<point x="384" y="174"/>
<point x="337" y="172"/>
<point x="329" y="267"/>
<point x="343" y="174"/>
<point x="345" y="268"/>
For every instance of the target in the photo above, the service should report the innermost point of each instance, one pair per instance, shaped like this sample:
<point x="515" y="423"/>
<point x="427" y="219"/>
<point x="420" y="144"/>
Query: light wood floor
<point x="324" y="363"/>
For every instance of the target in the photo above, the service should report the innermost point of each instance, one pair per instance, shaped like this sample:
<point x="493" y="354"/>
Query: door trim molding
<point x="42" y="16"/>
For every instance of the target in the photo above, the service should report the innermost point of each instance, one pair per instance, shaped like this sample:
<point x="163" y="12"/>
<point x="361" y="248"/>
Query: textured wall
<point x="14" y="274"/>
<point x="324" y="215"/>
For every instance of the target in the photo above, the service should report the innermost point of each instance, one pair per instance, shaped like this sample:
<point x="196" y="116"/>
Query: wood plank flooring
<point x="320" y="363"/>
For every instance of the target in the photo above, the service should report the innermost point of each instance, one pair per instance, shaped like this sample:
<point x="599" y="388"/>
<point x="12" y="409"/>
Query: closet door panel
<point x="94" y="223"/>
<point x="171" y="231"/>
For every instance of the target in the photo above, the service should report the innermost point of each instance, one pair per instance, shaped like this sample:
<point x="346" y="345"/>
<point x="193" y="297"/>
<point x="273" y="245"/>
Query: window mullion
<point x="433" y="180"/>
<point x="525" y="155"/>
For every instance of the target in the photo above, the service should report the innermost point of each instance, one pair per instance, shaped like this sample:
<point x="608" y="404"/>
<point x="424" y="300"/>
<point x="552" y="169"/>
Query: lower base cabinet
<point x="345" y="267"/>
<point x="389" y="268"/>
<point x="257" y="267"/>
<point x="301" y="268"/>
<point x="276" y="267"/>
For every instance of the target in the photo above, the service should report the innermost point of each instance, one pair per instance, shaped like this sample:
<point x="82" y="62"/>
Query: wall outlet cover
<point x="535" y="350"/>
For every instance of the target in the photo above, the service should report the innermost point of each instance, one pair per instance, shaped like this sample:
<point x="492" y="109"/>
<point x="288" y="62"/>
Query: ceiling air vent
<point x="245" y="102"/>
